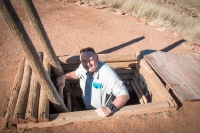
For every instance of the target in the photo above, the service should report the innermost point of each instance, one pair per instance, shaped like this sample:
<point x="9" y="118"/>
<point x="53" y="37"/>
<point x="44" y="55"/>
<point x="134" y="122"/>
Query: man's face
<point x="89" y="61"/>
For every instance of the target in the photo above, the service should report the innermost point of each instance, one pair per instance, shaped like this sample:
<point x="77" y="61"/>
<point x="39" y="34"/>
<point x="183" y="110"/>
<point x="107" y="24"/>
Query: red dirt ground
<point x="71" y="27"/>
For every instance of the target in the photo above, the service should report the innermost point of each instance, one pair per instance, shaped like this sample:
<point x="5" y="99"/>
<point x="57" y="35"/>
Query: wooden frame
<point x="162" y="102"/>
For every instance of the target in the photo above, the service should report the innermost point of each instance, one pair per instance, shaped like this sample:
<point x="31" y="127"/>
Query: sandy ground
<point x="71" y="27"/>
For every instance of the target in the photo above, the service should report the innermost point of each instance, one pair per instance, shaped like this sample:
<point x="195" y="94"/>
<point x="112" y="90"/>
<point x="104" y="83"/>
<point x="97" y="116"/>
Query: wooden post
<point x="46" y="44"/>
<point x="43" y="111"/>
<point x="69" y="102"/>
<point x="13" y="99"/>
<point x="33" y="99"/>
<point x="60" y="91"/>
<point x="19" y="113"/>
<point x="31" y="54"/>
<point x="137" y="92"/>
<point x="139" y="89"/>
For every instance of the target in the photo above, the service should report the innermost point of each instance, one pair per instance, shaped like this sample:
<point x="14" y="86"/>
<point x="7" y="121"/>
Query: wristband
<point x="112" y="107"/>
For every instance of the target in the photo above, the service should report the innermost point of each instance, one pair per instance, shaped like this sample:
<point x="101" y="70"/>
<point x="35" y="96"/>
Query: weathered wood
<point x="43" y="111"/>
<point x="179" y="71"/>
<point x="60" y="90"/>
<point x="139" y="88"/>
<point x="82" y="116"/>
<point x="125" y="76"/>
<point x="75" y="59"/>
<point x="46" y="44"/>
<point x="156" y="94"/>
<point x="33" y="98"/>
<point x="137" y="92"/>
<point x="19" y="113"/>
<point x="114" y="65"/>
<point x="157" y="86"/>
<point x="31" y="54"/>
<point x="127" y="70"/>
<point x="136" y="73"/>
<point x="13" y="99"/>
<point x="69" y="102"/>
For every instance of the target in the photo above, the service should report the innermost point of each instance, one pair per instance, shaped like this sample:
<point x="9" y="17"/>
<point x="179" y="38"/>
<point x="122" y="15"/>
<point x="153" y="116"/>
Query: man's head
<point x="89" y="59"/>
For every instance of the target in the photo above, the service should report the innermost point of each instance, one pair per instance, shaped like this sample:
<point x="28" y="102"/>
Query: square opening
<point x="147" y="91"/>
<point x="127" y="68"/>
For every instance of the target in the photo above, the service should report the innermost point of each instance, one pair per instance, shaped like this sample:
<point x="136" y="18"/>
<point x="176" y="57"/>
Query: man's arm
<point x="118" y="103"/>
<point x="61" y="79"/>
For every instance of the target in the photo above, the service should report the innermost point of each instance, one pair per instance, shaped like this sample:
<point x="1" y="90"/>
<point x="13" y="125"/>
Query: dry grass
<point x="187" y="27"/>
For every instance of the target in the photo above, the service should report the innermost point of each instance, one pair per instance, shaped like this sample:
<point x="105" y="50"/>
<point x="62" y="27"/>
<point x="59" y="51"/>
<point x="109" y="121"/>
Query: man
<point x="102" y="88"/>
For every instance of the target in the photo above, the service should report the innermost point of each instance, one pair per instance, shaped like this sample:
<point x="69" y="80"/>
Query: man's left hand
<point x="103" y="111"/>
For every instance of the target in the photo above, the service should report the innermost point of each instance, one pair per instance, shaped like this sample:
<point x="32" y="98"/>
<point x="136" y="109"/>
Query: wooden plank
<point x="114" y="65"/>
<point x="75" y="59"/>
<point x="127" y="70"/>
<point x="157" y="86"/>
<point x="125" y="76"/>
<point x="181" y="72"/>
<point x="83" y="116"/>
<point x="31" y="54"/>
<point x="139" y="89"/>
<point x="119" y="71"/>
<point x="137" y="92"/>
<point x="69" y="102"/>
<point x="33" y="98"/>
<point x="43" y="111"/>
<point x="19" y="113"/>
<point x="13" y="99"/>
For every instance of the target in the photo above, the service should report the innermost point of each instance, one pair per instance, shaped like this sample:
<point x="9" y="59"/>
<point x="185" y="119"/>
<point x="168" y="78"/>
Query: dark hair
<point x="87" y="49"/>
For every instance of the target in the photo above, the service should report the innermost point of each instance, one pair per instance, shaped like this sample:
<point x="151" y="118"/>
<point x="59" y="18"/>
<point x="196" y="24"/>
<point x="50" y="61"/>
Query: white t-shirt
<point x="98" y="86"/>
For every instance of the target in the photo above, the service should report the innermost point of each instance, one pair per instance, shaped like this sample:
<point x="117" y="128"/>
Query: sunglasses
<point x="87" y="50"/>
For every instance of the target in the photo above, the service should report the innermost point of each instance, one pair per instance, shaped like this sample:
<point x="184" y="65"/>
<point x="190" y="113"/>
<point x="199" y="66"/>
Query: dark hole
<point x="133" y="98"/>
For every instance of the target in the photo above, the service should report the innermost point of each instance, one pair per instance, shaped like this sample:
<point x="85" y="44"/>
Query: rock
<point x="120" y="12"/>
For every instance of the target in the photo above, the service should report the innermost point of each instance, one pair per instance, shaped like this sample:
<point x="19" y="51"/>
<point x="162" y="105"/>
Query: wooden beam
<point x="127" y="70"/>
<point x="43" y="111"/>
<point x="139" y="88"/>
<point x="40" y="31"/>
<point x="114" y="65"/>
<point x="13" y="99"/>
<point x="31" y="54"/>
<point x="125" y="76"/>
<point x="155" y="82"/>
<point x="83" y="116"/>
<point x="46" y="44"/>
<point x="137" y="92"/>
<point x="136" y="73"/>
<point x="74" y="59"/>
<point x="69" y="102"/>
<point x="60" y="90"/>
<point x="19" y="113"/>
<point x="33" y="98"/>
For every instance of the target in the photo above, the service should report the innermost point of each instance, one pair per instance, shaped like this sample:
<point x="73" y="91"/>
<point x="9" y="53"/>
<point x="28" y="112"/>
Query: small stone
<point x="120" y="12"/>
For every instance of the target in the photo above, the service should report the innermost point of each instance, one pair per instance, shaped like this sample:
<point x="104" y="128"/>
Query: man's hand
<point x="61" y="80"/>
<point x="103" y="111"/>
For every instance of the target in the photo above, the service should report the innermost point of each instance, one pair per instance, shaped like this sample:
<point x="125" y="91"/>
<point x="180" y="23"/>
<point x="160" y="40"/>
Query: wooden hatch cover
<point x="181" y="72"/>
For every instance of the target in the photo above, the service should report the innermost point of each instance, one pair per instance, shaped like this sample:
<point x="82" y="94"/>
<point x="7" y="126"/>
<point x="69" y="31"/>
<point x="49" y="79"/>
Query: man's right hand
<point x="61" y="80"/>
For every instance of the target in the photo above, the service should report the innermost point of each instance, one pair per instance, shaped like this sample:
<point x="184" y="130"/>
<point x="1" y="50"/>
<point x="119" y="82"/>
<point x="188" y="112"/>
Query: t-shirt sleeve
<point x="113" y="83"/>
<point x="79" y="71"/>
